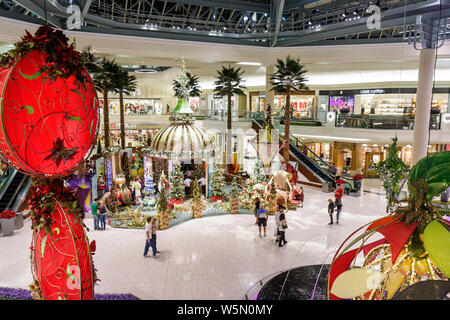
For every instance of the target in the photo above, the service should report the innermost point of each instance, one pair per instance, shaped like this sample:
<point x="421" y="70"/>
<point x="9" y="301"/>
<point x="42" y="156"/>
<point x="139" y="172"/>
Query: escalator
<point x="310" y="165"/>
<point x="13" y="187"/>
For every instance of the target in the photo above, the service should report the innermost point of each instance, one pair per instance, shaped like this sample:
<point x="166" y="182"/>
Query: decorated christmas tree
<point x="217" y="183"/>
<point x="163" y="210"/>
<point x="126" y="167"/>
<point x="177" y="183"/>
<point x="234" y="197"/>
<point x="271" y="199"/>
<point x="247" y="197"/>
<point x="258" y="173"/>
<point x="393" y="173"/>
<point x="99" y="147"/>
<point x="197" y="203"/>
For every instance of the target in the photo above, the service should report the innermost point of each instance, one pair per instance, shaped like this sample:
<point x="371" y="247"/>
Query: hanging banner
<point x="109" y="174"/>
<point x="148" y="179"/>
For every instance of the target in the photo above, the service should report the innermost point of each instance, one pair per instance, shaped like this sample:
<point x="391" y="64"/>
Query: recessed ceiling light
<point x="249" y="63"/>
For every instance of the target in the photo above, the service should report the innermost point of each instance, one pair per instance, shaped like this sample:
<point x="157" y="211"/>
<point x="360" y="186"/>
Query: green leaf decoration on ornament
<point x="57" y="230"/>
<point x="29" y="109"/>
<point x="90" y="129"/>
<point x="76" y="119"/>
<point x="43" y="242"/>
<point x="435" y="170"/>
<point x="436" y="240"/>
<point x="33" y="76"/>
<point x="78" y="93"/>
<point x="355" y="282"/>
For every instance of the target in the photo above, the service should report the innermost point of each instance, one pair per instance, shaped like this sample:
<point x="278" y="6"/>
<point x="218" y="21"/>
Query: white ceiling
<point x="326" y="65"/>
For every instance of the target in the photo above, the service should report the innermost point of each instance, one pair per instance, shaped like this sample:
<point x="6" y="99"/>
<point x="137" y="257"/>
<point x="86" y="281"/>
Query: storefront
<point x="387" y="101"/>
<point x="257" y="101"/>
<point x="218" y="106"/>
<point x="135" y="106"/>
<point x="302" y="104"/>
<point x="322" y="149"/>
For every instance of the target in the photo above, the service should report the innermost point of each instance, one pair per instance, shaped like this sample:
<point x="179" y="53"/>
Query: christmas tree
<point x="163" y="210"/>
<point x="99" y="147"/>
<point x="197" y="203"/>
<point x="247" y="197"/>
<point x="258" y="172"/>
<point x="217" y="182"/>
<point x="176" y="183"/>
<point x="126" y="167"/>
<point x="271" y="198"/>
<point x="234" y="197"/>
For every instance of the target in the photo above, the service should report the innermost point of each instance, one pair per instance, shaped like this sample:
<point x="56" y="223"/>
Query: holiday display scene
<point x="181" y="204"/>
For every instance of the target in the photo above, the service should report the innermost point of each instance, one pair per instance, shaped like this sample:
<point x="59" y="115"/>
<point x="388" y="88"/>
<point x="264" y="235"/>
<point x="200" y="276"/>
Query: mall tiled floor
<point x="210" y="258"/>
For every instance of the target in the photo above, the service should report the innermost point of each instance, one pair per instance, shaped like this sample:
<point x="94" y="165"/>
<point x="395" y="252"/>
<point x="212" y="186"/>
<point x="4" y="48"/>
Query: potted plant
<point x="7" y="221"/>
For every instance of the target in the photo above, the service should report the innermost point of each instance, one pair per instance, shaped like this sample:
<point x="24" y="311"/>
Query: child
<point x="331" y="206"/>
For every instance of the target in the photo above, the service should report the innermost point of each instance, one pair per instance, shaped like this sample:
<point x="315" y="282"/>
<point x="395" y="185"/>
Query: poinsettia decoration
<point x="7" y="214"/>
<point x="42" y="202"/>
<point x="60" y="153"/>
<point x="62" y="60"/>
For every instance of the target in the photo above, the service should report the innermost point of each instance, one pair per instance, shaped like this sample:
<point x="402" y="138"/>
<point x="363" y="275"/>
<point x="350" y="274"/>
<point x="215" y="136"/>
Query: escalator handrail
<point x="316" y="170"/>
<point x="24" y="178"/>
<point x="12" y="173"/>
<point x="21" y="191"/>
<point x="281" y="129"/>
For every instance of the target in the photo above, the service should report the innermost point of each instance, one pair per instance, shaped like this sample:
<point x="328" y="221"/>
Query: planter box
<point x="7" y="226"/>
<point x="18" y="223"/>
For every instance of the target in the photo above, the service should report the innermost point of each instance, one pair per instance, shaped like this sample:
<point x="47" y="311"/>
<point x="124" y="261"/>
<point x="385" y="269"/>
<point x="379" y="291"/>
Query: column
<point x="270" y="95"/>
<point x="423" y="104"/>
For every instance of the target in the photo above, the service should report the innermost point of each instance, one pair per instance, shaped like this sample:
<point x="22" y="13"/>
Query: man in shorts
<point x="262" y="220"/>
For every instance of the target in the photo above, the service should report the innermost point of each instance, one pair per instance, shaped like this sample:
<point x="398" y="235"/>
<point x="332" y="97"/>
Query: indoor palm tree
<point x="192" y="86"/>
<point x="124" y="84"/>
<point x="288" y="77"/>
<point x="228" y="83"/>
<point x="104" y="80"/>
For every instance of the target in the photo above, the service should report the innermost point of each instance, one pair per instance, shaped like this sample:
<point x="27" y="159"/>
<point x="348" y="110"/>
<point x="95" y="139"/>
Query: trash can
<point x="325" y="187"/>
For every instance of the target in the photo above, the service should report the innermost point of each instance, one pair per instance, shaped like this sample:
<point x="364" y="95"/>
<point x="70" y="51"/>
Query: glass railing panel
<point x="387" y="122"/>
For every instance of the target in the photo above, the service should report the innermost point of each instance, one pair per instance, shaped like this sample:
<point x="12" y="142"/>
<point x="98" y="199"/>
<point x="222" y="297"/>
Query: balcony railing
<point x="392" y="122"/>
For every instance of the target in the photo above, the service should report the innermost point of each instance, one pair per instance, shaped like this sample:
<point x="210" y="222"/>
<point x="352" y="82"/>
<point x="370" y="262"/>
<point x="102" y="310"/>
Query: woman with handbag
<point x="283" y="227"/>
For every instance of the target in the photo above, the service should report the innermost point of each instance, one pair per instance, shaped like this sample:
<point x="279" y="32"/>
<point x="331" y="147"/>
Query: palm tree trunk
<point x="228" y="154"/>
<point x="122" y="121"/>
<point x="287" y="124"/>
<point x="106" y="117"/>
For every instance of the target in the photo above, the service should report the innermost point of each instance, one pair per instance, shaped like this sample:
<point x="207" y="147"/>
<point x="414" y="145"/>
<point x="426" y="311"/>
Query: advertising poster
<point x="343" y="104"/>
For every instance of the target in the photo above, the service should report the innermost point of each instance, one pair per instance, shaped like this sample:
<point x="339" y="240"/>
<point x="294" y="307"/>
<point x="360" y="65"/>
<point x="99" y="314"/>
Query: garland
<point x="62" y="60"/>
<point x="42" y="202"/>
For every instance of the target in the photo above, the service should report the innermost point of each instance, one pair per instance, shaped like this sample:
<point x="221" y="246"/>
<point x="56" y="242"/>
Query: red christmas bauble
<point x="47" y="127"/>
<point x="62" y="259"/>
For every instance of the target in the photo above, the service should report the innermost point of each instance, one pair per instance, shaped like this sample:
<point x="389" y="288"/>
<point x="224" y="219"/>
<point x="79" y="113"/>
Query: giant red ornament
<point x="47" y="127"/>
<point x="63" y="265"/>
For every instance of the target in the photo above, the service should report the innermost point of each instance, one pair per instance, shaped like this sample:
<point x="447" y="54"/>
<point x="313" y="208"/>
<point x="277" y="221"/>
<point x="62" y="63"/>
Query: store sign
<point x="127" y="125"/>
<point x="372" y="91"/>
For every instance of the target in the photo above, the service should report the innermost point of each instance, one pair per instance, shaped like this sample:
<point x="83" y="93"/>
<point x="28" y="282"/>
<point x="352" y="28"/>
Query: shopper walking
<point x="277" y="222"/>
<point x="148" y="236"/>
<point x="262" y="220"/>
<point x="283" y="226"/>
<point x="202" y="182"/>
<point x="338" y="201"/>
<point x="95" y="212"/>
<point x="102" y="215"/>
<point x="257" y="206"/>
<point x="153" y="244"/>
<point x="187" y="186"/>
<point x="331" y="206"/>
